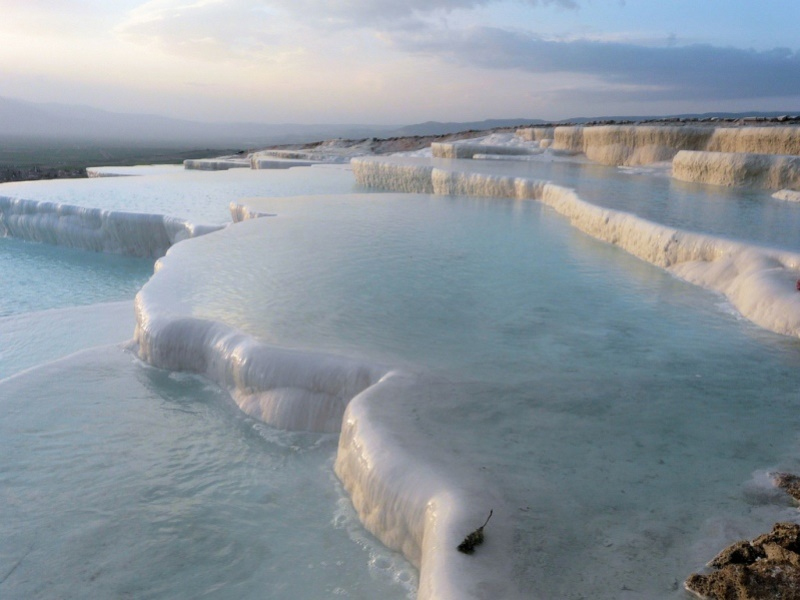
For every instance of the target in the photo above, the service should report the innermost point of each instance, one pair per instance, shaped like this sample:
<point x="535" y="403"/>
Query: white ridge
<point x="117" y="232"/>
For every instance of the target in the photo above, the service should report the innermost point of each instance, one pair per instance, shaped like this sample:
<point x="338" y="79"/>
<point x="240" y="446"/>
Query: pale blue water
<point x="621" y="412"/>
<point x="119" y="480"/>
<point x="198" y="196"/>
<point x="38" y="277"/>
<point x="123" y="481"/>
<point x="747" y="214"/>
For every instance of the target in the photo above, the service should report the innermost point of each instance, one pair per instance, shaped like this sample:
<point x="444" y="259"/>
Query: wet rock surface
<point x="38" y="172"/>
<point x="766" y="567"/>
<point x="787" y="481"/>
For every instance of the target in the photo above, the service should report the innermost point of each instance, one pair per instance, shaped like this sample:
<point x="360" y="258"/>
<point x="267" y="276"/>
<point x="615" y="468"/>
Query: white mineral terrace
<point x="117" y="232"/>
<point x="216" y="164"/>
<point x="417" y="510"/>
<point x="411" y="505"/>
<point x="632" y="145"/>
<point x="759" y="282"/>
<point x="730" y="156"/>
<point x="408" y="503"/>
<point x="787" y="195"/>
<point x="109" y="211"/>
<point x="466" y="150"/>
<point x="771" y="171"/>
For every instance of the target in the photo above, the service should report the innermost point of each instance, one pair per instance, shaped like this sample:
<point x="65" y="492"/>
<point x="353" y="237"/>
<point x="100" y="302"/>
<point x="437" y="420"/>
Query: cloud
<point x="393" y="14"/>
<point x="209" y="29"/>
<point x="197" y="25"/>
<point x="280" y="31"/>
<point x="698" y="72"/>
<point x="48" y="18"/>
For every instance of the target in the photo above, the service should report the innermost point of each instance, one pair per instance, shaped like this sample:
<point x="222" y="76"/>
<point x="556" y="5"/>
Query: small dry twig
<point x="474" y="539"/>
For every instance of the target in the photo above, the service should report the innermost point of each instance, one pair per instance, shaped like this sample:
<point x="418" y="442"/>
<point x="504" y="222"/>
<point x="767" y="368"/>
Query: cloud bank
<point x="269" y="29"/>
<point x="393" y="14"/>
<point x="670" y="72"/>
<point x="391" y="60"/>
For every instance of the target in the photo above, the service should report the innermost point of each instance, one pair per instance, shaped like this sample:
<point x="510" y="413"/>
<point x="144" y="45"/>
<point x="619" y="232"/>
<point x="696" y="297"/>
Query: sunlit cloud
<point x="211" y="30"/>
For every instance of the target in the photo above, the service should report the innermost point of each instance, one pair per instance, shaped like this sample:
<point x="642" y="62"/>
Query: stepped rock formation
<point x="765" y="157"/>
<point x="771" y="171"/>
<point x="632" y="145"/>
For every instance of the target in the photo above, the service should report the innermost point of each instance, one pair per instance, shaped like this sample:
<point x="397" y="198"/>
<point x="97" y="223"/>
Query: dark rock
<point x="785" y="535"/>
<point x="767" y="567"/>
<point x="36" y="172"/>
<point x="740" y="553"/>
<point x="758" y="581"/>
<point x="778" y="554"/>
<point x="786" y="481"/>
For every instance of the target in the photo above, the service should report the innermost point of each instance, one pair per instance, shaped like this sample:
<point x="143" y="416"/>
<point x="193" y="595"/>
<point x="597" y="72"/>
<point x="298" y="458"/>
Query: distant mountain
<point x="60" y="121"/>
<point x="439" y="128"/>
<point x="63" y="122"/>
<point x="697" y="116"/>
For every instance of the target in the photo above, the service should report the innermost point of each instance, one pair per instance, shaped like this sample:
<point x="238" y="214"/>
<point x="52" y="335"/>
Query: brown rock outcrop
<point x="786" y="481"/>
<point x="766" y="567"/>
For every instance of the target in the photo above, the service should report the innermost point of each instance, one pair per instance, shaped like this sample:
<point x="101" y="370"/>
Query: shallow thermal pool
<point x="58" y="300"/>
<point x="628" y="418"/>
<point x="37" y="277"/>
<point x="197" y="196"/>
<point x="124" y="481"/>
<point x="747" y="214"/>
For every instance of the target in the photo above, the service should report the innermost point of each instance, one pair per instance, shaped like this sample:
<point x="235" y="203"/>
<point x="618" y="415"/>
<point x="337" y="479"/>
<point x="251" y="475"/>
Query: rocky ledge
<point x="788" y="482"/>
<point x="766" y="567"/>
<point x="37" y="172"/>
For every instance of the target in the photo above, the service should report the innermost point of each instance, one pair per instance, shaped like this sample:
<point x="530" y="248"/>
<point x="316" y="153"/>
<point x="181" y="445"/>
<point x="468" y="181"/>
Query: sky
<point x="402" y="61"/>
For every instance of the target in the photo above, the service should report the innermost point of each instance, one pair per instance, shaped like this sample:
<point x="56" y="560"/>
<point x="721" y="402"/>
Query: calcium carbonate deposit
<point x="325" y="390"/>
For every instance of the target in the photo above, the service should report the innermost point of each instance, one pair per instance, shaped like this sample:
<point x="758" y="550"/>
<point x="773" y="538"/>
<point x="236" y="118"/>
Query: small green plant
<point x="475" y="538"/>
